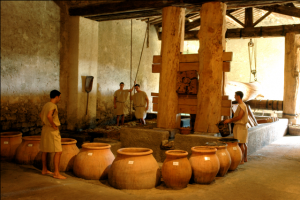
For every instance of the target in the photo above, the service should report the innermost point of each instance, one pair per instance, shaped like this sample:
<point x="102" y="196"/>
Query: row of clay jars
<point x="234" y="150"/>
<point x="9" y="144"/>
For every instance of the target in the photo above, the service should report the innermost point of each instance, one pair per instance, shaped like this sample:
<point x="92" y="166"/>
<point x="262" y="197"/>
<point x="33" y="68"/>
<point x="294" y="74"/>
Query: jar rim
<point x="96" y="146"/>
<point x="204" y="149"/>
<point x="32" y="138"/>
<point x="10" y="134"/>
<point x="68" y="141"/>
<point x="135" y="151"/>
<point x="180" y="153"/>
<point x="227" y="140"/>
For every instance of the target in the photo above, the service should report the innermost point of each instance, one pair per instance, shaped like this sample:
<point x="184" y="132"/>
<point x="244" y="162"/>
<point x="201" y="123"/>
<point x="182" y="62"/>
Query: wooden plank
<point x="226" y="103"/>
<point x="226" y="66"/>
<point x="235" y="19"/>
<point x="285" y="10"/>
<point x="153" y="94"/>
<point x="156" y="68"/>
<point x="154" y="99"/>
<point x="193" y="24"/>
<point x="157" y="59"/>
<point x="189" y="58"/>
<point x="227" y="56"/>
<point x="249" y="17"/>
<point x="187" y="101"/>
<point x="225" y="111"/>
<point x="226" y="97"/>
<point x="187" y="109"/>
<point x="133" y="15"/>
<point x="189" y="66"/>
<point x="262" y="18"/>
<point x="155" y="107"/>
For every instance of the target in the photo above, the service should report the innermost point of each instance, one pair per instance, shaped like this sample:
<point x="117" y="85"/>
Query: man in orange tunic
<point x="50" y="137"/>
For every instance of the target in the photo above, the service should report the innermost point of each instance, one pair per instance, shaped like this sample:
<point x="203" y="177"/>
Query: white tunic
<point x="121" y="98"/>
<point x="240" y="130"/>
<point x="139" y="101"/>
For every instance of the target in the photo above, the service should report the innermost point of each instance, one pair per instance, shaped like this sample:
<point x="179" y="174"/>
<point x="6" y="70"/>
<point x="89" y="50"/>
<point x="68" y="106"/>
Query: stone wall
<point x="114" y="63"/>
<point x="30" y="63"/>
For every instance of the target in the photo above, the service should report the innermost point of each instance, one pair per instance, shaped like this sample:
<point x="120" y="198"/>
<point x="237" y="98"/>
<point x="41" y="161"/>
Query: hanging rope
<point x="131" y="72"/>
<point x="141" y="54"/>
<point x="252" y="49"/>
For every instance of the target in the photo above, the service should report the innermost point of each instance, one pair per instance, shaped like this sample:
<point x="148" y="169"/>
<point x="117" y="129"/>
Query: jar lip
<point x="68" y="141"/>
<point x="204" y="149"/>
<point x="32" y="138"/>
<point x="135" y="151"/>
<point x="96" y="146"/>
<point x="232" y="140"/>
<point x="177" y="153"/>
<point x="218" y="145"/>
<point x="11" y="134"/>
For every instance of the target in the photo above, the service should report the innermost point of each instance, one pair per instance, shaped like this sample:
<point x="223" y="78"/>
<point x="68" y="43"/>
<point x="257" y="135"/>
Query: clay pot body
<point x="9" y="144"/>
<point x="69" y="152"/>
<point x="176" y="170"/>
<point x="28" y="150"/>
<point x="224" y="158"/>
<point x="205" y="164"/>
<point x="234" y="151"/>
<point x="93" y="161"/>
<point x="134" y="168"/>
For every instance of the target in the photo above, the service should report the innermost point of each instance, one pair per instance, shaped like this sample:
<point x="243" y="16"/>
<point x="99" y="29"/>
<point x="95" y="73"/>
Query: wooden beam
<point x="189" y="66"/>
<point x="235" y="19"/>
<point x="193" y="24"/>
<point x="249" y="17"/>
<point x="155" y="107"/>
<point x="226" y="103"/>
<point x="226" y="97"/>
<point x="256" y="32"/>
<point x="154" y="99"/>
<point x="262" y="18"/>
<point x="285" y="10"/>
<point x="225" y="111"/>
<point x="154" y="94"/>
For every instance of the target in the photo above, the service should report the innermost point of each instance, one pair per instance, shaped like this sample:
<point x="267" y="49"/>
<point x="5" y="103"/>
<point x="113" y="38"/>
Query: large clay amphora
<point x="234" y="151"/>
<point x="28" y="150"/>
<point x="134" y="168"/>
<point x="205" y="164"/>
<point x="224" y="157"/>
<point x="176" y="170"/>
<point x="9" y="144"/>
<point x="69" y="152"/>
<point x="93" y="161"/>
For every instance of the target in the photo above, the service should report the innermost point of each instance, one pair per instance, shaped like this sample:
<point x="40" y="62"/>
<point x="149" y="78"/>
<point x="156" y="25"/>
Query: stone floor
<point x="271" y="173"/>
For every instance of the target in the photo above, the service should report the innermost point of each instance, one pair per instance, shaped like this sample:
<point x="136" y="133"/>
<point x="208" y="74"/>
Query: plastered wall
<point x="30" y="63"/>
<point x="114" y="62"/>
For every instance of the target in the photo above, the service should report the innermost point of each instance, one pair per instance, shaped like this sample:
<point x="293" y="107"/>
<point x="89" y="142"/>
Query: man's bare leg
<point x="246" y="151"/>
<point x="122" y="119"/>
<point x="118" y="120"/>
<point x="56" y="166"/>
<point x="44" y="161"/>
<point x="243" y="152"/>
<point x="143" y="121"/>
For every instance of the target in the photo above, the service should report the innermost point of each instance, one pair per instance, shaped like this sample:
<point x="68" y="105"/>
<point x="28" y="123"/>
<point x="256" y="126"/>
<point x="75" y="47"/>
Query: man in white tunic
<point x="240" y="120"/>
<point x="120" y="97"/>
<point x="141" y="104"/>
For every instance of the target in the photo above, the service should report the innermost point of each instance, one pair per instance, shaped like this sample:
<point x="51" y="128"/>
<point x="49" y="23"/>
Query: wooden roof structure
<point x="243" y="17"/>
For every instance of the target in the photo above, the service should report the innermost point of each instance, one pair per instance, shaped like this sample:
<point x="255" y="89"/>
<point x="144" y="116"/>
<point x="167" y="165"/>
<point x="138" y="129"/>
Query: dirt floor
<point x="271" y="173"/>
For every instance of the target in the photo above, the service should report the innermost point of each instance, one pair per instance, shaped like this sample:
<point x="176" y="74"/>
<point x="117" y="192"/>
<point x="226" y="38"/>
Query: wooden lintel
<point x="153" y="94"/>
<point x="226" y="97"/>
<point x="256" y="32"/>
<point x="187" y="109"/>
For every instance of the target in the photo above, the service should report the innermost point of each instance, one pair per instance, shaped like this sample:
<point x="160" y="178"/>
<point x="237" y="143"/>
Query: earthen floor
<point x="271" y="173"/>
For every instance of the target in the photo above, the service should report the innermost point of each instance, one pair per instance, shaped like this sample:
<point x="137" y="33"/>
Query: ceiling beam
<point x="140" y="5"/>
<point x="285" y="10"/>
<point x="262" y="18"/>
<point x="267" y="31"/>
<point x="249" y="17"/>
<point x="235" y="19"/>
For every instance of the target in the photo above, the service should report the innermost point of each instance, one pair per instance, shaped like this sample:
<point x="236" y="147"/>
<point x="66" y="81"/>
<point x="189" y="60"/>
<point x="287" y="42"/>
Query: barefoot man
<point x="120" y="97"/>
<point x="240" y="120"/>
<point x="140" y="99"/>
<point x="50" y="138"/>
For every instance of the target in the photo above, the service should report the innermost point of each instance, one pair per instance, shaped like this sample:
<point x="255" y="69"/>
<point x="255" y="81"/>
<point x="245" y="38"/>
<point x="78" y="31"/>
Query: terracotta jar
<point x="234" y="151"/>
<point x="9" y="144"/>
<point x="93" y="161"/>
<point x="224" y="157"/>
<point x="134" y="168"/>
<point x="69" y="152"/>
<point x="176" y="170"/>
<point x="205" y="164"/>
<point x="28" y="150"/>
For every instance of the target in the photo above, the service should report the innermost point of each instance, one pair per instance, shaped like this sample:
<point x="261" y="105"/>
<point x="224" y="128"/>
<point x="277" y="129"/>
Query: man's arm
<point x="115" y="102"/>
<point x="50" y="118"/>
<point x="132" y="87"/>
<point x="147" y="103"/>
<point x="240" y="116"/>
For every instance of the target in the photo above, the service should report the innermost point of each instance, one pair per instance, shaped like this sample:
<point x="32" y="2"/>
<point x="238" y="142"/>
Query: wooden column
<point x="291" y="96"/>
<point x="212" y="43"/>
<point x="173" y="20"/>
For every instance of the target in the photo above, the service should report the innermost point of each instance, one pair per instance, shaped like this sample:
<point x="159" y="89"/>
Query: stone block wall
<point x="30" y="63"/>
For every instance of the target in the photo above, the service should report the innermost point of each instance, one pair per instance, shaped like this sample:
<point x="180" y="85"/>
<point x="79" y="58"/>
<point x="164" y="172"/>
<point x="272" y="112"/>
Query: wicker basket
<point x="185" y="131"/>
<point x="294" y="129"/>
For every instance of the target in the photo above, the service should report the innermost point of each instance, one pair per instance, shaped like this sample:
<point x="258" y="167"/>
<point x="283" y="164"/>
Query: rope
<point x="131" y="72"/>
<point x="141" y="55"/>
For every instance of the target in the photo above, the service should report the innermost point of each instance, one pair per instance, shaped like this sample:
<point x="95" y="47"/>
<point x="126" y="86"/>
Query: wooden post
<point x="291" y="95"/>
<point x="212" y="42"/>
<point x="249" y="17"/>
<point x="173" y="20"/>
